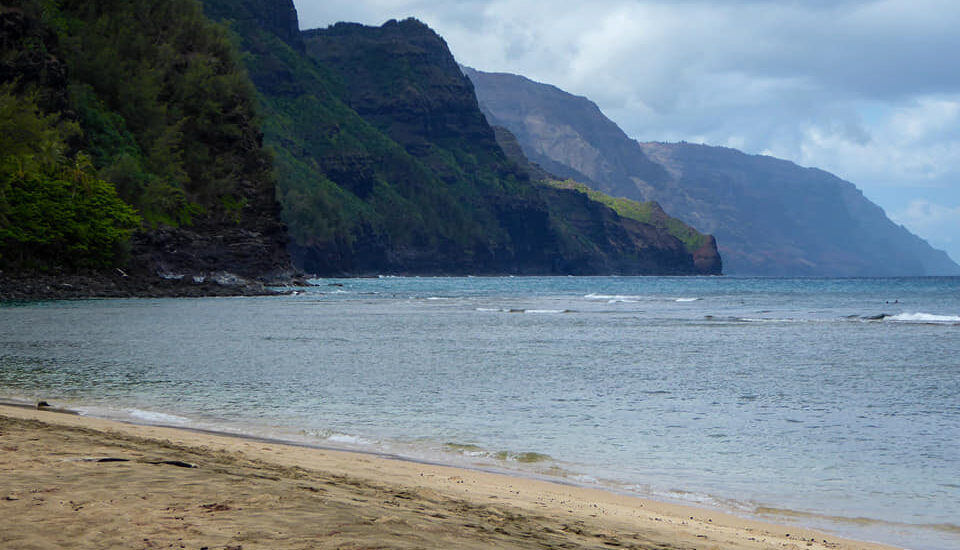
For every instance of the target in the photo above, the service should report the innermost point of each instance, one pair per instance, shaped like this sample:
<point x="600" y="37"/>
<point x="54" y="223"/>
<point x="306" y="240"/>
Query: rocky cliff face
<point x="567" y="135"/>
<point x="703" y="248"/>
<point x="770" y="217"/>
<point x="402" y="78"/>
<point x="277" y="17"/>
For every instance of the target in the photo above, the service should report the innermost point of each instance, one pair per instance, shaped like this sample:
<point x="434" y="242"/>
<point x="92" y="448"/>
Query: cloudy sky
<point x="866" y="89"/>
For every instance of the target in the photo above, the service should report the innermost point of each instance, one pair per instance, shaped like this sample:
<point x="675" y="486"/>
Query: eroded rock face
<point x="278" y="17"/>
<point x="206" y="248"/>
<point x="281" y="18"/>
<point x="656" y="239"/>
<point x="707" y="258"/>
<point x="629" y="246"/>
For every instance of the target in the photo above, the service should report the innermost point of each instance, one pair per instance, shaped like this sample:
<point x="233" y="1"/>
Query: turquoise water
<point x="791" y="399"/>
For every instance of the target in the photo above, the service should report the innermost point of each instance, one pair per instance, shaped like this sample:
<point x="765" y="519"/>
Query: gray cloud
<point x="867" y="89"/>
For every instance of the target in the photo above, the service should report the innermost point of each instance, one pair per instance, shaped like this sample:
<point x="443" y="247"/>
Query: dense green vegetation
<point x="53" y="206"/>
<point x="166" y="105"/>
<point x="147" y="98"/>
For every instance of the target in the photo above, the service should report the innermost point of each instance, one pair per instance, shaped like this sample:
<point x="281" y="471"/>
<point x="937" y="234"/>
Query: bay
<point x="831" y="403"/>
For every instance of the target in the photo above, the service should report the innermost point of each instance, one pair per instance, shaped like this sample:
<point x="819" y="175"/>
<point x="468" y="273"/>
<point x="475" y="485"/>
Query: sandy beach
<point x="70" y="481"/>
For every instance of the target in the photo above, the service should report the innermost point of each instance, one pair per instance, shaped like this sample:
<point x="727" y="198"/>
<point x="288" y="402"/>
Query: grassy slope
<point x="645" y="212"/>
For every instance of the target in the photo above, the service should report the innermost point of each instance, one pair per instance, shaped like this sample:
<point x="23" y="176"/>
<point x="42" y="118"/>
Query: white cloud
<point x="938" y="222"/>
<point x="913" y="145"/>
<point x="921" y="212"/>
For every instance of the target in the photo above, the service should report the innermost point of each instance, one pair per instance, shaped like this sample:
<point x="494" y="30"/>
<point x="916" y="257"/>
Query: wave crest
<point x="928" y="318"/>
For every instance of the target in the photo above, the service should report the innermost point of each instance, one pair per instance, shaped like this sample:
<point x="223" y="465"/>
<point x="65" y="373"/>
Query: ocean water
<point x="829" y="403"/>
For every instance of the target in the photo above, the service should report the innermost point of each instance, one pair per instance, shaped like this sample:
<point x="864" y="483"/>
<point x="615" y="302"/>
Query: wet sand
<point x="69" y="481"/>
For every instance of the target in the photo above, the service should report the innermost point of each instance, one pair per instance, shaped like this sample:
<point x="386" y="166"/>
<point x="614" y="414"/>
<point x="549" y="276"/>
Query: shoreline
<point x="243" y="489"/>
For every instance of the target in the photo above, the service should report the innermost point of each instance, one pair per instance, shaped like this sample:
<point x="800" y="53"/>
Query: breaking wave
<point x="925" y="318"/>
<point x="614" y="298"/>
<point x="520" y="310"/>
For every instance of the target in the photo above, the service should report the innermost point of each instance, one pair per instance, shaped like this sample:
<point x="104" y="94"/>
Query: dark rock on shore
<point x="117" y="283"/>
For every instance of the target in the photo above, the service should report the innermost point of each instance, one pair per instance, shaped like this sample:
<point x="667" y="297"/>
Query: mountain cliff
<point x="402" y="79"/>
<point x="770" y="217"/>
<point x="706" y="258"/>
<point x="386" y="164"/>
<point x="567" y="135"/>
<point x="783" y="219"/>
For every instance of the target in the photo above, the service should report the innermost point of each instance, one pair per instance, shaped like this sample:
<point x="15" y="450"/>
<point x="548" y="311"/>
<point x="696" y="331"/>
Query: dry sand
<point x="77" y="482"/>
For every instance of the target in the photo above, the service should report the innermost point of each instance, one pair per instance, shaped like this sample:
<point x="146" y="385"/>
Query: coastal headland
<point x="81" y="482"/>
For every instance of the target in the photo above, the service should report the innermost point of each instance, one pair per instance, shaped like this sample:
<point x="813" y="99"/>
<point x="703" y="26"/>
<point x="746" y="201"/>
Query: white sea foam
<point x="585" y="479"/>
<point x="344" y="438"/>
<point x="154" y="417"/>
<point x="701" y="499"/>
<point x="687" y="299"/>
<point x="924" y="318"/>
<point x="520" y="310"/>
<point x="614" y="298"/>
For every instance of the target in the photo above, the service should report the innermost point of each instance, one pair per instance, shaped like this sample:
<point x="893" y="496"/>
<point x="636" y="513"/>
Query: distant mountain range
<point x="770" y="216"/>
